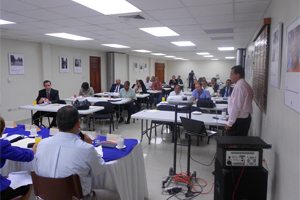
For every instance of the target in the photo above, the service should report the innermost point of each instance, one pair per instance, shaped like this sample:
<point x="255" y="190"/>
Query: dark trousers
<point x="10" y="193"/>
<point x="129" y="107"/>
<point x="39" y="114"/>
<point x="240" y="127"/>
<point x="191" y="81"/>
<point x="158" y="99"/>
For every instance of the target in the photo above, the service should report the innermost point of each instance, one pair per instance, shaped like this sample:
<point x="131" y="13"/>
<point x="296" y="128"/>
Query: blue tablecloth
<point x="108" y="154"/>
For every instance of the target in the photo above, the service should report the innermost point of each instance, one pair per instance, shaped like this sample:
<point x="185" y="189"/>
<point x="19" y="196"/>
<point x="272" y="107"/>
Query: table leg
<point x="142" y="132"/>
<point x="31" y="116"/>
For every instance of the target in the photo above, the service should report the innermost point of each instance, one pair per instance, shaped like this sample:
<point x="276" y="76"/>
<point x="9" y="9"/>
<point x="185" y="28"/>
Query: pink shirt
<point x="155" y="86"/>
<point x="240" y="102"/>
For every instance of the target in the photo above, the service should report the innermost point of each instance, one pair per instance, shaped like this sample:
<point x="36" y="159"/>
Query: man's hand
<point x="87" y="139"/>
<point x="41" y="100"/>
<point x="227" y="128"/>
<point x="34" y="148"/>
<point x="85" y="96"/>
<point x="47" y="100"/>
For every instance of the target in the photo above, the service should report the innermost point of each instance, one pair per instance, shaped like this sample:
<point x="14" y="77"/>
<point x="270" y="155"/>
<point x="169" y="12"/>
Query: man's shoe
<point x="120" y="120"/>
<point x="128" y="122"/>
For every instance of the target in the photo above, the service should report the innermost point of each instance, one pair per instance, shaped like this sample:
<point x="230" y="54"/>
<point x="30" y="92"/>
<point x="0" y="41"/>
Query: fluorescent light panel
<point x="142" y="51"/>
<point x="215" y="59"/>
<point x="170" y="56"/>
<point x="178" y="58"/>
<point x="68" y="36"/>
<point x="229" y="57"/>
<point x="183" y="43"/>
<point x="158" y="54"/>
<point x="160" y="31"/>
<point x="115" y="46"/>
<point x="208" y="56"/>
<point x="109" y="7"/>
<point x="226" y="48"/>
<point x="3" y="22"/>
<point x="202" y="53"/>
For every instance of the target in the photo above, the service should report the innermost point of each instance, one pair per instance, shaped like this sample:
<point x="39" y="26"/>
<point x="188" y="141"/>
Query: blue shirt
<point x="127" y="94"/>
<point x="12" y="153"/>
<point x="203" y="94"/>
<point x="65" y="154"/>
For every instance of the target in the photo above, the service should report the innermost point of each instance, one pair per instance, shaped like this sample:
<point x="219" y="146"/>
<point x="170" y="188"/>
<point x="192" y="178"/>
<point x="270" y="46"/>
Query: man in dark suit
<point x="213" y="84"/>
<point x="116" y="87"/>
<point x="227" y="90"/>
<point x="47" y="95"/>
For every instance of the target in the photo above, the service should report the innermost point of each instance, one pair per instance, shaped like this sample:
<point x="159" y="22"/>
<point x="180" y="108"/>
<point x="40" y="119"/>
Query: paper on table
<point x="19" y="179"/>
<point x="99" y="150"/>
<point x="9" y="138"/>
<point x="4" y="136"/>
<point x="219" y="121"/>
<point x="10" y="124"/>
<point x="23" y="143"/>
<point x="152" y="110"/>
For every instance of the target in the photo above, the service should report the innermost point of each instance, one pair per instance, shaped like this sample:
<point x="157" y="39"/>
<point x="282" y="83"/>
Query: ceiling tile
<point x="14" y="6"/>
<point x="217" y="26"/>
<point x="248" y="17"/>
<point x="69" y="22"/>
<point x="42" y="24"/>
<point x="249" y="7"/>
<point x="75" y="11"/>
<point x="146" y="5"/>
<point x="48" y="4"/>
<point x="41" y="14"/>
<point x="204" y="2"/>
<point x="215" y="19"/>
<point x="170" y="13"/>
<point x="16" y="18"/>
<point x="99" y="20"/>
<point x="145" y="23"/>
<point x="176" y="22"/>
<point x="116" y="26"/>
<point x="220" y="9"/>
<point x="247" y="24"/>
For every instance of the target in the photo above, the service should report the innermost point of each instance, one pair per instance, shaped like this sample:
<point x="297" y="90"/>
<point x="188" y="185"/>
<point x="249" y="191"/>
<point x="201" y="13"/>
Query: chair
<point x="57" y="188"/>
<point x="59" y="102"/>
<point x="107" y="113"/>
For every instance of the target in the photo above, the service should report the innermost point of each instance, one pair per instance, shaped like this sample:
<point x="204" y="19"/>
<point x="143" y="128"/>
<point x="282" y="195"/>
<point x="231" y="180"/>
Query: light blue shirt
<point x="204" y="94"/>
<point x="65" y="154"/>
<point x="130" y="94"/>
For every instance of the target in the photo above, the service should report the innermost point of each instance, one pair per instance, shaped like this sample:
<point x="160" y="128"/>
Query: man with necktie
<point x="46" y="96"/>
<point x="117" y="86"/>
<point x="227" y="90"/>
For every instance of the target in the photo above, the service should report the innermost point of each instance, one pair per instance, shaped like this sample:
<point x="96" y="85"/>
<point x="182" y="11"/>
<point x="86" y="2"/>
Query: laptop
<point x="195" y="127"/>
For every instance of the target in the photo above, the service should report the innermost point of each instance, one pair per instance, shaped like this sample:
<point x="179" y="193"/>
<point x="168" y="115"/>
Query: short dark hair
<point x="177" y="86"/>
<point x="238" y="69"/>
<point x="66" y="118"/>
<point x="198" y="83"/>
<point x="46" y="81"/>
<point x="228" y="80"/>
<point x="214" y="79"/>
<point x="127" y="82"/>
<point x="2" y="125"/>
<point x="85" y="85"/>
<point x="204" y="81"/>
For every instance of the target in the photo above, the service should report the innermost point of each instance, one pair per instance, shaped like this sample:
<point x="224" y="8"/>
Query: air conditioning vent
<point x="129" y="17"/>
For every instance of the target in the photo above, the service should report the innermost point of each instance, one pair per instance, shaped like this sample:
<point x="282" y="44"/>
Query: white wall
<point x="41" y="62"/>
<point x="280" y="125"/>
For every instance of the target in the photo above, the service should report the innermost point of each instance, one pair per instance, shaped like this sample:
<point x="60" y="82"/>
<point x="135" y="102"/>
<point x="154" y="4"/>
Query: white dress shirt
<point x="148" y="84"/>
<point x="240" y="102"/>
<point x="210" y="90"/>
<point x="65" y="154"/>
<point x="174" y="94"/>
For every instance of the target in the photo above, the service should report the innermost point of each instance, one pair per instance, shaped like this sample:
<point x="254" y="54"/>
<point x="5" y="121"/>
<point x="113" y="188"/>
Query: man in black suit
<point x="213" y="84"/>
<point x="116" y="87"/>
<point x="227" y="90"/>
<point x="47" y="95"/>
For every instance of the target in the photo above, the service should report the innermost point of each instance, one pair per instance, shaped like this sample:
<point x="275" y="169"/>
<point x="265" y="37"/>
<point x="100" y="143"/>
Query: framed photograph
<point x="292" y="66"/>
<point x="16" y="63"/>
<point x="141" y="68"/>
<point x="276" y="41"/>
<point x="135" y="67"/>
<point x="145" y="67"/>
<point x="77" y="66"/>
<point x="63" y="64"/>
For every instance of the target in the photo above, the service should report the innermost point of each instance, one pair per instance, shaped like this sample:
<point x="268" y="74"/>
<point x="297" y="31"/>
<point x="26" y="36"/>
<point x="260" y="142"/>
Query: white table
<point x="218" y="99"/>
<point x="56" y="107"/>
<point x="154" y="91"/>
<point x="112" y="94"/>
<point x="169" y="116"/>
<point x="188" y="93"/>
<point x="127" y="175"/>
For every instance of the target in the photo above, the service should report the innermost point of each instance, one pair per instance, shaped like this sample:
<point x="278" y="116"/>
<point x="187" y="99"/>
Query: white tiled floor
<point x="159" y="158"/>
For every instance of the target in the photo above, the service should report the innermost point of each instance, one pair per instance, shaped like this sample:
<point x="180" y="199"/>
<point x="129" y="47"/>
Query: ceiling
<point x="207" y="23"/>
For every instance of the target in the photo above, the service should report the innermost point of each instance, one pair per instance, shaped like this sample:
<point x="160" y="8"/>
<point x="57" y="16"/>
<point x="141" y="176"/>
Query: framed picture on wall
<point x="141" y="68"/>
<point x="135" y="67"/>
<point x="145" y="67"/>
<point x="77" y="66"/>
<point x="276" y="40"/>
<point x="64" y="64"/>
<point x="16" y="63"/>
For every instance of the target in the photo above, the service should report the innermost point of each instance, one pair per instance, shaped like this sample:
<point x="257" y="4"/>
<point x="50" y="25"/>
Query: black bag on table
<point x="205" y="103"/>
<point x="82" y="105"/>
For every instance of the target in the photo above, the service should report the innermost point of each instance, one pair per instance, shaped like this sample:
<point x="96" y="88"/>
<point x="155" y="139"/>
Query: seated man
<point x="86" y="90"/>
<point x="116" y="87"/>
<point x="213" y="84"/>
<point x="65" y="154"/>
<point x="148" y="83"/>
<point x="173" y="81"/>
<point x="127" y="92"/>
<point x="156" y="85"/>
<point x="200" y="93"/>
<point x="206" y="87"/>
<point x="176" y="91"/>
<point x="227" y="90"/>
<point x="47" y="95"/>
<point x="179" y="81"/>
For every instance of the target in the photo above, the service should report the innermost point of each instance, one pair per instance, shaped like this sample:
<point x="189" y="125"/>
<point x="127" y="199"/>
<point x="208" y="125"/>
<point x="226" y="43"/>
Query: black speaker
<point x="252" y="185"/>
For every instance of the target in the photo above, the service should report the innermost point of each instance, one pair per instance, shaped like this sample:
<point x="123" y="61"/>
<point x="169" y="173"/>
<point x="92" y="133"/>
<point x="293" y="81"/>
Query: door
<point x="95" y="73"/>
<point x="160" y="71"/>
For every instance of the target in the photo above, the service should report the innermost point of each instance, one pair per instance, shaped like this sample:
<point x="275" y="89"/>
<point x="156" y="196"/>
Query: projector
<point x="177" y="100"/>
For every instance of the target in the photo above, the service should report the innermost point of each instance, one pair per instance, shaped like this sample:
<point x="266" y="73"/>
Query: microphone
<point x="80" y="134"/>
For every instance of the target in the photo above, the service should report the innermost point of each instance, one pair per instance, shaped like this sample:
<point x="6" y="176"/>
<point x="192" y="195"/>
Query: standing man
<point x="47" y="95"/>
<point x="213" y="84"/>
<point x="156" y="85"/>
<point x="116" y="87"/>
<point x="148" y="83"/>
<point x="227" y="90"/>
<point x="200" y="93"/>
<point x="65" y="154"/>
<point x="191" y="77"/>
<point x="206" y="87"/>
<point x="127" y="92"/>
<point x="176" y="91"/>
<point x="239" y="104"/>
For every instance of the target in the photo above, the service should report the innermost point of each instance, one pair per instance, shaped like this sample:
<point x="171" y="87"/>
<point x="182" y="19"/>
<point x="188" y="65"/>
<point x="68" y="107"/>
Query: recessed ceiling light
<point x="170" y="56"/>
<point x="142" y="51"/>
<point x="183" y="43"/>
<point x="215" y="59"/>
<point x="158" y="54"/>
<point x="226" y="48"/>
<point x="115" y="46"/>
<point x="202" y="53"/>
<point x="109" y="7"/>
<point x="185" y="59"/>
<point x="2" y="22"/>
<point x="160" y="31"/>
<point x="178" y="58"/>
<point x="229" y="57"/>
<point x="68" y="36"/>
<point x="208" y="56"/>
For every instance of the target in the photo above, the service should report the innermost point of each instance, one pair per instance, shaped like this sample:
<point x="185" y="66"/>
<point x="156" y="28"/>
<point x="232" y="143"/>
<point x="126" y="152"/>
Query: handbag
<point x="82" y="105"/>
<point x="205" y="103"/>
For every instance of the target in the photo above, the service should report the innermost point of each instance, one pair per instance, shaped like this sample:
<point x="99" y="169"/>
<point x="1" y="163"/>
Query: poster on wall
<point x="63" y="64"/>
<point x="135" y="67"/>
<point x="276" y="55"/>
<point x="145" y="67"/>
<point x="141" y="68"/>
<point x="77" y="66"/>
<point x="16" y="63"/>
<point x="292" y="66"/>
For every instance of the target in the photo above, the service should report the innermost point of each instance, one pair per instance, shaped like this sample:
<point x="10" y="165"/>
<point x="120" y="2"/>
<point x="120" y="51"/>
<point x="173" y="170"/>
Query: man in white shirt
<point x="239" y="104"/>
<point x="65" y="154"/>
<point x="176" y="91"/>
<point x="209" y="89"/>
<point x="148" y="83"/>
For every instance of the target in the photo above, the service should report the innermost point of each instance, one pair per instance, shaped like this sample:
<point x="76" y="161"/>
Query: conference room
<point x="121" y="46"/>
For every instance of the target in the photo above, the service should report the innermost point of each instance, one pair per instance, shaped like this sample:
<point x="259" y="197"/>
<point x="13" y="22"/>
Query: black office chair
<point x="107" y="113"/>
<point x="59" y="102"/>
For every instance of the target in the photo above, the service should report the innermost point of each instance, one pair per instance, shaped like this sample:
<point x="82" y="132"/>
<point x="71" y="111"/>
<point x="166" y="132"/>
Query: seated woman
<point x="193" y="86"/>
<point x="134" y="86"/>
<point x="140" y="89"/>
<point x="86" y="90"/>
<point x="16" y="154"/>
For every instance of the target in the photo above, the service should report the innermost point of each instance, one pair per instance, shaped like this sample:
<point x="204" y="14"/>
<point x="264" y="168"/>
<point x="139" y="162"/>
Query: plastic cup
<point x="38" y="139"/>
<point x="75" y="95"/>
<point x="101" y="91"/>
<point x="163" y="99"/>
<point x="34" y="102"/>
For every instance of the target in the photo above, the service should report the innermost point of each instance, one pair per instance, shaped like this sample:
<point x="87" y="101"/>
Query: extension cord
<point x="173" y="190"/>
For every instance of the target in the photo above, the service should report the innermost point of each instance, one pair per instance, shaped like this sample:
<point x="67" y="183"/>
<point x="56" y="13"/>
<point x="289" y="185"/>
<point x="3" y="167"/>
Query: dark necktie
<point x="48" y="96"/>
<point x="226" y="94"/>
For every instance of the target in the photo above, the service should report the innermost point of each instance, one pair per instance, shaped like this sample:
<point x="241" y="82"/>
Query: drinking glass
<point x="38" y="139"/>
